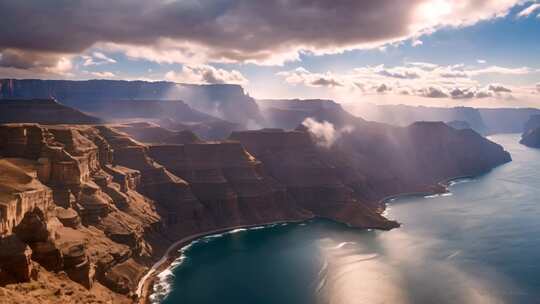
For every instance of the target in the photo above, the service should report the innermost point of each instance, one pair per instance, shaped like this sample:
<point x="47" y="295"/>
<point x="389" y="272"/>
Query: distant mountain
<point x="43" y="111"/>
<point x="483" y="121"/>
<point x="403" y="115"/>
<point x="228" y="102"/>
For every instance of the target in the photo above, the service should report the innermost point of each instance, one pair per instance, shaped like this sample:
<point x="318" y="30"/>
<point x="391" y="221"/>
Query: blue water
<point x="479" y="244"/>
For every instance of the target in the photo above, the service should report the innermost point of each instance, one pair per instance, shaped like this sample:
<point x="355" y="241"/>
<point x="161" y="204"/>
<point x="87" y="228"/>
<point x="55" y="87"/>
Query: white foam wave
<point x="438" y="195"/>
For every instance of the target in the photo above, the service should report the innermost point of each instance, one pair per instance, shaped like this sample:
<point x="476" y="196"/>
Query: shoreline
<point x="444" y="184"/>
<point x="146" y="283"/>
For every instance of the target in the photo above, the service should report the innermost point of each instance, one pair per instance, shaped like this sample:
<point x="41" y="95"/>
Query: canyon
<point x="87" y="206"/>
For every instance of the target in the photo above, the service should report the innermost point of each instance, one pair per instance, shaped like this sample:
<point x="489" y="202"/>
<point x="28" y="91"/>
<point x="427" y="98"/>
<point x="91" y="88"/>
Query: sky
<point x="482" y="53"/>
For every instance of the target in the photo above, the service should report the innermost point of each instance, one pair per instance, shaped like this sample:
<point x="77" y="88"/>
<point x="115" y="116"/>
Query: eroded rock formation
<point x="61" y="209"/>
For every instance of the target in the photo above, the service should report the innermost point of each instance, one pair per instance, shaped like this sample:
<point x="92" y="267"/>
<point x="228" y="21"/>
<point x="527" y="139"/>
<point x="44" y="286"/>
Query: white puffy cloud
<point x="529" y="10"/>
<point x="416" y="78"/>
<point x="97" y="58"/>
<point x="103" y="74"/>
<point x="417" y="42"/>
<point x="205" y="74"/>
<point x="325" y="132"/>
<point x="303" y="76"/>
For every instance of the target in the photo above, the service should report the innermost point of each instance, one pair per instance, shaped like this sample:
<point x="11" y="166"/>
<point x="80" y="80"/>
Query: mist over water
<point x="478" y="245"/>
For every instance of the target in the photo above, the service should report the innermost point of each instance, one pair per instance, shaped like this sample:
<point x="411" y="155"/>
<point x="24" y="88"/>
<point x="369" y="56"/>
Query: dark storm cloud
<point x="458" y="93"/>
<point x="240" y="28"/>
<point x="499" y="89"/>
<point x="326" y="82"/>
<point x="432" y="92"/>
<point x="233" y="30"/>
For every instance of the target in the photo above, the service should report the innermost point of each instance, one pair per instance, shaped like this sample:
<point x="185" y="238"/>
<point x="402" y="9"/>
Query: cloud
<point x="416" y="42"/>
<point x="499" y="88"/>
<point x="303" y="76"/>
<point x="103" y="74"/>
<point x="462" y="93"/>
<point x="501" y="70"/>
<point x="481" y="61"/>
<point x="206" y="74"/>
<point x="383" y="88"/>
<point x="399" y="72"/>
<point x="97" y="58"/>
<point x="205" y="31"/>
<point x="529" y="10"/>
<point x="423" y="79"/>
<point x="324" y="132"/>
<point x="326" y="82"/>
<point x="432" y="92"/>
<point x="39" y="63"/>
<point x="538" y="87"/>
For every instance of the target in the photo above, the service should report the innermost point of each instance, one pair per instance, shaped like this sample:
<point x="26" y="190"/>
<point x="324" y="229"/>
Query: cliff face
<point x="65" y="207"/>
<point x="225" y="101"/>
<point x="314" y="180"/>
<point x="44" y="111"/>
<point x="531" y="134"/>
<point x="229" y="182"/>
<point x="374" y="160"/>
<point x="507" y="120"/>
<point x="176" y="110"/>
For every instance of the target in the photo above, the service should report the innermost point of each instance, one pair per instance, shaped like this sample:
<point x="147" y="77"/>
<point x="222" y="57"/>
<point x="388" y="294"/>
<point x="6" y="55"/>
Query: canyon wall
<point x="225" y="101"/>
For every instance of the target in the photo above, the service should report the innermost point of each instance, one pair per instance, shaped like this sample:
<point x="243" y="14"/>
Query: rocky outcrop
<point x="15" y="260"/>
<point x="43" y="111"/>
<point x="62" y="208"/>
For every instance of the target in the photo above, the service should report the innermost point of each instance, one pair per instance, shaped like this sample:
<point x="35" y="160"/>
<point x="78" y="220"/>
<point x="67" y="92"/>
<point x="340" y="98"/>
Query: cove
<point x="479" y="243"/>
